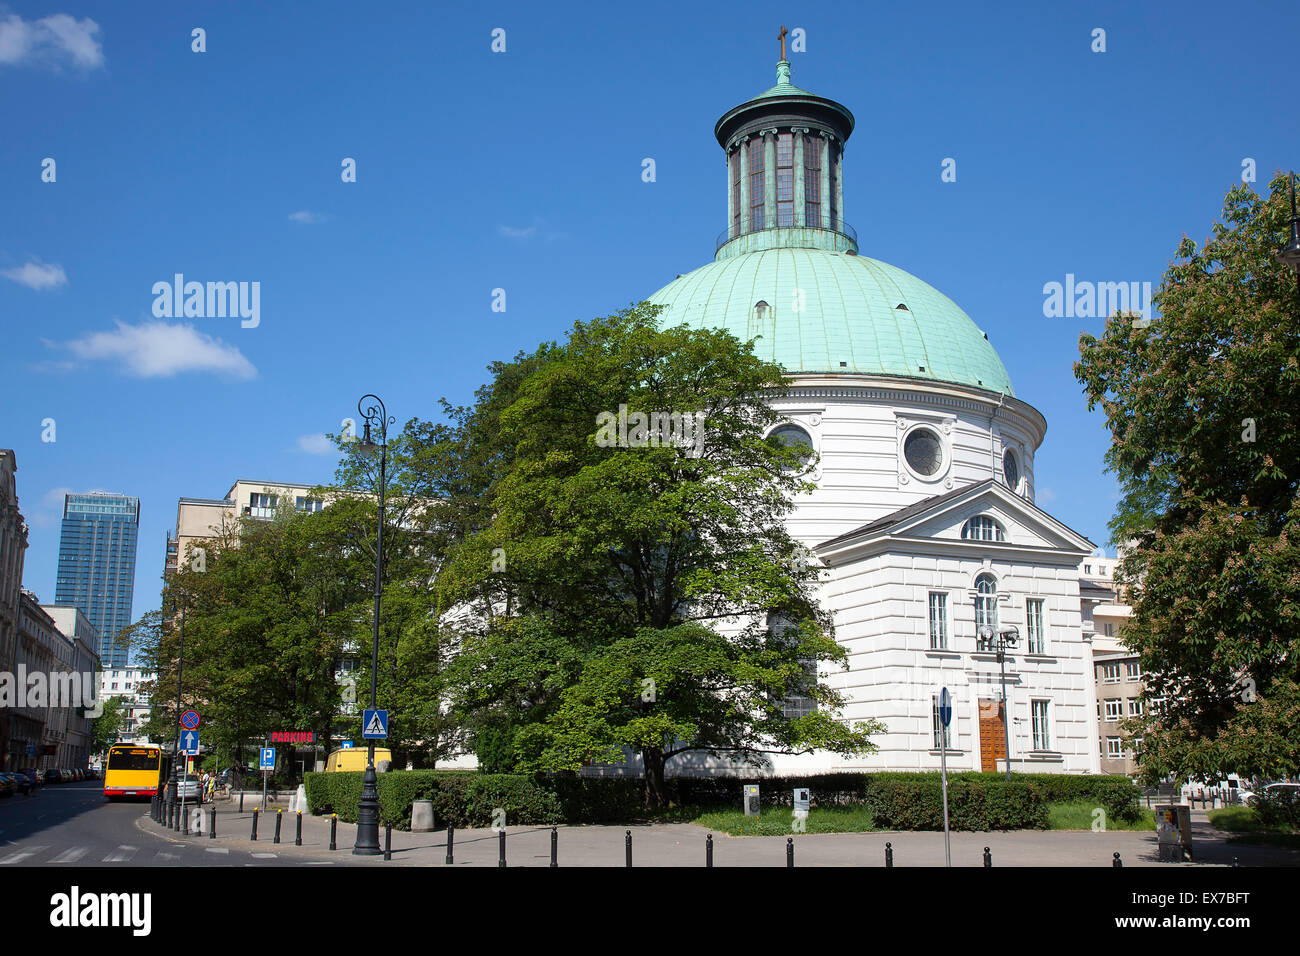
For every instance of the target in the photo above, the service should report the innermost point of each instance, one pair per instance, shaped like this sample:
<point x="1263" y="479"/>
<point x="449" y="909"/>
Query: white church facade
<point x="923" y="517"/>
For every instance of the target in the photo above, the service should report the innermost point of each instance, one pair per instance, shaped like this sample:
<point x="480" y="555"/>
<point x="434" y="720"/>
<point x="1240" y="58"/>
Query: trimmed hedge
<point x="898" y="801"/>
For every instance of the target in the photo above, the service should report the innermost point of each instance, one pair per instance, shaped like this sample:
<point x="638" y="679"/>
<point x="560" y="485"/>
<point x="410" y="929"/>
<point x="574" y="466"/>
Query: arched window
<point x="795" y="437"/>
<point x="795" y="704"/>
<point x="982" y="528"/>
<point x="986" y="602"/>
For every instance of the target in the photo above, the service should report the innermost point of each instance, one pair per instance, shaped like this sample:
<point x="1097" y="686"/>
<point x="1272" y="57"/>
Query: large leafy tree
<point x="1204" y="411"/>
<point x="622" y="582"/>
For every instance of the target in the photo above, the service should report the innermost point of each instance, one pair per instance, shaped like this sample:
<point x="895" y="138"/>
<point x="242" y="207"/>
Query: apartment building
<point x="1117" y="671"/>
<point x="199" y="518"/>
<point x="126" y="683"/>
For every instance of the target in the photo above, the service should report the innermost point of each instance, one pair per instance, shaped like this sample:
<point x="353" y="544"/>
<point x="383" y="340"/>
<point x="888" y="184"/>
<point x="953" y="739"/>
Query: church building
<point x="924" y="518"/>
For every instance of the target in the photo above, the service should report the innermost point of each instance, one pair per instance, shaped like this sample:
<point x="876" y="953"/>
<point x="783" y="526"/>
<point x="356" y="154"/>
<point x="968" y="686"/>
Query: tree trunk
<point x="656" y="793"/>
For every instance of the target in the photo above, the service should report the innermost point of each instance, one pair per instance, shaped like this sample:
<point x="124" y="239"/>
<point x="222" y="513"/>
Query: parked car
<point x="22" y="782"/>
<point x="8" y="786"/>
<point x="189" y="788"/>
<point x="51" y="776"/>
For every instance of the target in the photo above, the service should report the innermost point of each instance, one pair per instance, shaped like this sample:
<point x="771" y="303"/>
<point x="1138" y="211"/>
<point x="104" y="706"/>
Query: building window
<point x="1034" y="626"/>
<point x="941" y="736"/>
<point x="310" y="504"/>
<point x="812" y="181"/>
<point x="1114" y="748"/>
<point x="938" y="621"/>
<point x="735" y="193"/>
<point x="982" y="528"/>
<point x="785" y="179"/>
<point x="1135" y="707"/>
<point x="833" y="164"/>
<point x="792" y="436"/>
<point x="986" y="603"/>
<point x="1110" y="673"/>
<point x="1011" y="469"/>
<point x="795" y="704"/>
<point x="1133" y="670"/>
<point x="756" y="183"/>
<point x="1108" y="628"/>
<point x="262" y="505"/>
<point x="923" y="452"/>
<point x="1042" y="734"/>
<point x="1114" y="708"/>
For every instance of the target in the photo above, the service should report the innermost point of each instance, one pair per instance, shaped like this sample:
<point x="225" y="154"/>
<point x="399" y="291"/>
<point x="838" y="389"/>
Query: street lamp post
<point x="176" y="742"/>
<point x="999" y="641"/>
<point x="367" y="843"/>
<point x="1290" y="254"/>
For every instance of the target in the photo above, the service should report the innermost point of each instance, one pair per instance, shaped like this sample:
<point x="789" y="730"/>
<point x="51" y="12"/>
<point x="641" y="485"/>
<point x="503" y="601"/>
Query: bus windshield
<point x="132" y="758"/>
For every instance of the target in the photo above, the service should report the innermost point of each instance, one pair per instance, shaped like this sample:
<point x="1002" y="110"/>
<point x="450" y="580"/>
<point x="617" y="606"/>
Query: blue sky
<point x="522" y="170"/>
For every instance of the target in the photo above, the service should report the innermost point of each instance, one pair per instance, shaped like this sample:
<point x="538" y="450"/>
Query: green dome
<point x="850" y="322"/>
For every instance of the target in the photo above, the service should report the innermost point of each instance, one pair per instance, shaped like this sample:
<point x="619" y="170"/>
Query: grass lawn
<point x="1078" y="815"/>
<point x="1246" y="827"/>
<point x="778" y="822"/>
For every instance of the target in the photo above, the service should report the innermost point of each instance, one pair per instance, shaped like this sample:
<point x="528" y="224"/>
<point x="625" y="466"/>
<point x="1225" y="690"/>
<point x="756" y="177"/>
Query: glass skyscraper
<point x="97" y="565"/>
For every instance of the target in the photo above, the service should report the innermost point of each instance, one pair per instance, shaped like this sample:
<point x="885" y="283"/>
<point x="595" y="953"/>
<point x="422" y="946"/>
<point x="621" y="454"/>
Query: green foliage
<point x="977" y="804"/>
<point x="776" y="822"/>
<point x="106" y="726"/>
<point x="495" y="748"/>
<point x="1082" y="815"/>
<point x="597" y="572"/>
<point x="1278" y="808"/>
<point x="462" y="798"/>
<point x="1204" y="413"/>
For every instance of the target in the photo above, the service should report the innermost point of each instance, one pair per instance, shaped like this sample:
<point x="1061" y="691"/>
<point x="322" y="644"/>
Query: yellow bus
<point x="131" y="771"/>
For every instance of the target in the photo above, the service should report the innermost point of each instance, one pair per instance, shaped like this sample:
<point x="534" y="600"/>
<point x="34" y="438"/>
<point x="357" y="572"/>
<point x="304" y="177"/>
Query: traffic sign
<point x="31" y="750"/>
<point x="374" y="724"/>
<point x="190" y="742"/>
<point x="345" y="745"/>
<point x="945" y="707"/>
<point x="268" y="758"/>
<point x="190" y="720"/>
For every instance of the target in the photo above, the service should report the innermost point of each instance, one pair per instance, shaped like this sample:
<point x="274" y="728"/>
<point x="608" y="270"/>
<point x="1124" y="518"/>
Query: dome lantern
<point x="785" y="150"/>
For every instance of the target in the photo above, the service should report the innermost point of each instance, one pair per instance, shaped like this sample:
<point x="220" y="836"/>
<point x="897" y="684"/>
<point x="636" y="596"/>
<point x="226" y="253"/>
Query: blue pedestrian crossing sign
<point x="190" y="742"/>
<point x="374" y="724"/>
<point x="268" y="758"/>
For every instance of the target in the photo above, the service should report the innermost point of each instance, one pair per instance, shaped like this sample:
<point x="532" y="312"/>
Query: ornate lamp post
<point x="367" y="843"/>
<point x="999" y="641"/>
<point x="1290" y="254"/>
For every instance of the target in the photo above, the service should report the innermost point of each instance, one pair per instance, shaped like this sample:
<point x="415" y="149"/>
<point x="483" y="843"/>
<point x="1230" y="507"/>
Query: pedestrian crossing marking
<point x="23" y="854"/>
<point x="70" y="856"/>
<point x="121" y="854"/>
<point x="218" y="849"/>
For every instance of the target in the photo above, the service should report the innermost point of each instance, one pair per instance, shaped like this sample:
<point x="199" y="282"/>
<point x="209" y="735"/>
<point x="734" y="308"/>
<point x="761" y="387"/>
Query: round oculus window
<point x="924" y="452"/>
<point x="1010" y="469"/>
<point x="795" y="437"/>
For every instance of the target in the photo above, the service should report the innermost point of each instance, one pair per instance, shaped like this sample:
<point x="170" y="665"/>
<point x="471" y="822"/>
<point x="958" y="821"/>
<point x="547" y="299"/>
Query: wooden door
<point x="993" y="745"/>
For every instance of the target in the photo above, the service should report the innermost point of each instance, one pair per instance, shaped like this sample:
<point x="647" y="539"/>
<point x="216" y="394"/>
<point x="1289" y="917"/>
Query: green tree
<point x="107" y="726"/>
<point x="597" y="569"/>
<point x="1203" y="408"/>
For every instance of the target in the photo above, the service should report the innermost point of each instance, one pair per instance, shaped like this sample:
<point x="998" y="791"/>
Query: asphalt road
<point x="73" y="825"/>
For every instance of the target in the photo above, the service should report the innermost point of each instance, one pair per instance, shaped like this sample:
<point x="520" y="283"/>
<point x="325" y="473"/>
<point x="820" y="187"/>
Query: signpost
<point x="945" y="718"/>
<point x="267" y="763"/>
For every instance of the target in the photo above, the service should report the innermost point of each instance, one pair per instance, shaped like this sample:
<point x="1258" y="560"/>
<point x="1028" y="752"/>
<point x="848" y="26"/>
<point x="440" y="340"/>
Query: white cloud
<point x="158" y="350"/>
<point x="316" y="445"/>
<point x="307" y="217"/>
<point x="50" y="41"/>
<point x="37" y="275"/>
<point x="50" y="508"/>
<point x="1044" y="496"/>
<point x="518" y="232"/>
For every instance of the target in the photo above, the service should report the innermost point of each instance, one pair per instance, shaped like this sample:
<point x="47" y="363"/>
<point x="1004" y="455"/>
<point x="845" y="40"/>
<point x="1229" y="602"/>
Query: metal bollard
<point x="988" y="857"/>
<point x="789" y="851"/>
<point x="254" y="837"/>
<point x="1234" y="862"/>
<point x="708" y="850"/>
<point x="212" y="827"/>
<point x="501" y="845"/>
<point x="451" y="842"/>
<point x="241" y="801"/>
<point x="1117" y="863"/>
<point x="627" y="842"/>
<point x="297" y="830"/>
<point x="185" y="824"/>
<point x="279" y="815"/>
<point x="555" y="844"/>
<point x="388" y="841"/>
<point x="889" y="854"/>
<point x="334" y="831"/>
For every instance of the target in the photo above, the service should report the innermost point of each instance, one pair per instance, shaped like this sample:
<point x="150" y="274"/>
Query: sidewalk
<point x="683" y="844"/>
